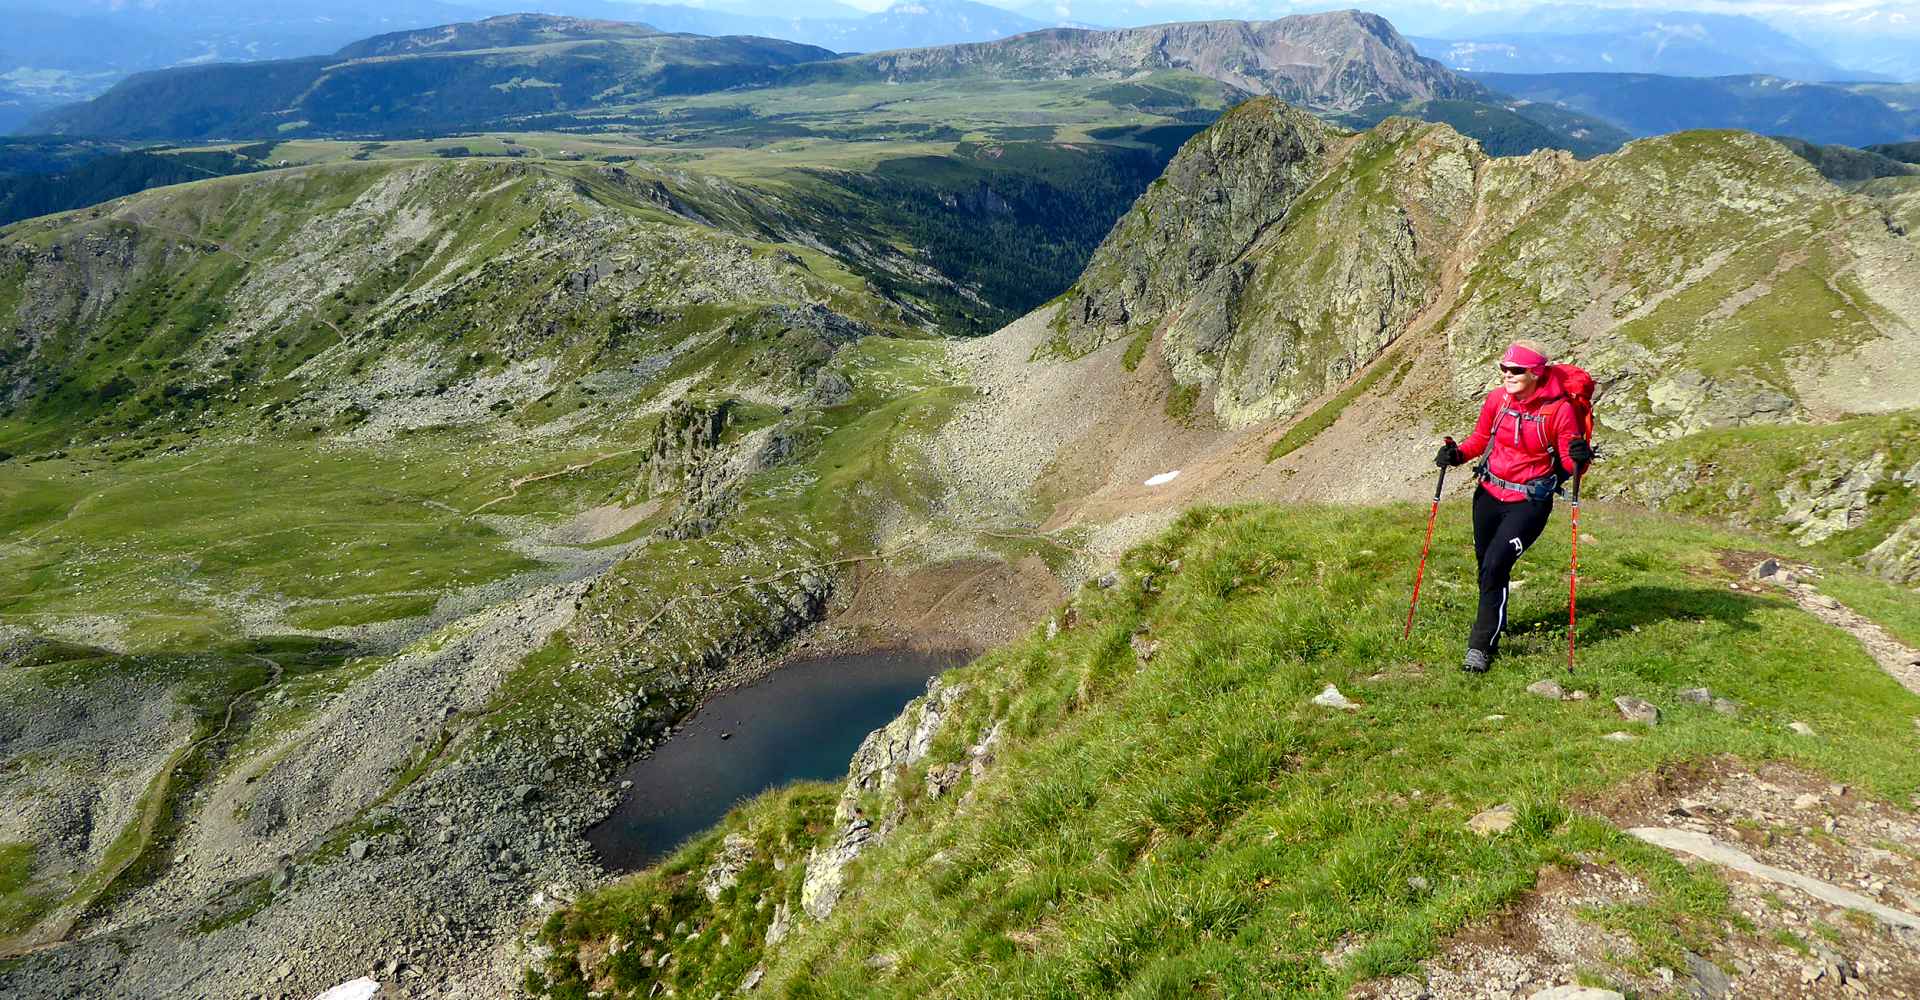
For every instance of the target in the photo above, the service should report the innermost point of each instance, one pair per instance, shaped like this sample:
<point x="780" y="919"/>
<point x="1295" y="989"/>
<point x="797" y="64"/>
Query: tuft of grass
<point x="1137" y="349"/>
<point x="20" y="905"/>
<point x="1304" y="431"/>
<point x="1182" y="400"/>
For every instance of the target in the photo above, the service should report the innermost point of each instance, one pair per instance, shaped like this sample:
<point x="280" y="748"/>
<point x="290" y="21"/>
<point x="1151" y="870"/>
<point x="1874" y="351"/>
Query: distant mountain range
<point x="491" y="72"/>
<point x="1338" y="61"/>
<point x="1567" y="39"/>
<point x="57" y="52"/>
<point x="521" y="71"/>
<point x="60" y="52"/>
<point x="1649" y="104"/>
<point x="433" y="79"/>
<point x="906" y="24"/>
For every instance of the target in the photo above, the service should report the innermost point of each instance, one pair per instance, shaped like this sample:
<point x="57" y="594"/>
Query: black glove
<point x="1449" y="454"/>
<point x="1580" y="451"/>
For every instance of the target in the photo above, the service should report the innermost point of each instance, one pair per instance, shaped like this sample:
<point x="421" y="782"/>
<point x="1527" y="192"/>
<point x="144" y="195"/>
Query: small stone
<point x="1637" y="710"/>
<point x="1493" y="718"/>
<point x="1332" y="698"/>
<point x="1824" y="602"/>
<point x="1726" y="706"/>
<point x="1764" y="569"/>
<point x="1619" y="737"/>
<point x="1578" y="695"/>
<point x="1493" y="821"/>
<point x="1573" y="992"/>
<point x="1808" y="801"/>
<point x="524" y="794"/>
<point x="358" y="850"/>
<point x="1107" y="581"/>
<point x="1839" y="791"/>
<point x="1547" y="689"/>
<point x="1144" y="647"/>
<point x="1801" y="728"/>
<point x="1419" y="884"/>
<point x="1696" y="696"/>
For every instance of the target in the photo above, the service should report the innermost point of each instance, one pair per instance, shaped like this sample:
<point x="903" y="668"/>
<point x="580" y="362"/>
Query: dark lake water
<point x="802" y="722"/>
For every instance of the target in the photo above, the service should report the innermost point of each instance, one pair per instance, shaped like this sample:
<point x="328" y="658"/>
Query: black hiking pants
<point x="1501" y="531"/>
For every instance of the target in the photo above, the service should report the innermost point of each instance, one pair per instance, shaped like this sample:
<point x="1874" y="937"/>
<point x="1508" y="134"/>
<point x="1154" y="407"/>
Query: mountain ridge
<point x="1338" y="61"/>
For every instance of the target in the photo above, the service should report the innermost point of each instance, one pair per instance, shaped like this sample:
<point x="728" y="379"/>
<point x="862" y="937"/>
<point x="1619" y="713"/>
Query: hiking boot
<point x="1477" y="662"/>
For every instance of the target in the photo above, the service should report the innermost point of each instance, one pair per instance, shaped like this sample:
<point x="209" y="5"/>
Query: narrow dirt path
<point x="1901" y="663"/>
<point x="513" y="487"/>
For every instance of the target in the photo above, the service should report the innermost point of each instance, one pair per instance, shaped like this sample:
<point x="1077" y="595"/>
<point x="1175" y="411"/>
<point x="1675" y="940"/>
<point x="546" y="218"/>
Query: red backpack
<point x="1578" y="387"/>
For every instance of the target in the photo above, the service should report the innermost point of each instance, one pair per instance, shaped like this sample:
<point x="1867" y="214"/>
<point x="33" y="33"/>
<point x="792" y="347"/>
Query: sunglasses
<point x="1514" y="369"/>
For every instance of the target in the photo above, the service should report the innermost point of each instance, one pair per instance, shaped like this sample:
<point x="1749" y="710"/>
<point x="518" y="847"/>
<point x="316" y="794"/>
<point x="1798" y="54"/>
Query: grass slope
<point x="1194" y="825"/>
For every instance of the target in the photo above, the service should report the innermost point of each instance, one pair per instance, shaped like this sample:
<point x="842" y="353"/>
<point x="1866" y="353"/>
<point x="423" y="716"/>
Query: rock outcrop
<point x="1225" y="187"/>
<point x="872" y="787"/>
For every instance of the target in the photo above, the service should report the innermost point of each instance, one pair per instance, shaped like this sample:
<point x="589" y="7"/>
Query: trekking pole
<point x="1432" y="513"/>
<point x="1573" y="572"/>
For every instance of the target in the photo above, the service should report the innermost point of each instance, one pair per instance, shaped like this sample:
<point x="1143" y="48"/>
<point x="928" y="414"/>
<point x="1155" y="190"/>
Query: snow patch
<point x="1164" y="477"/>
<point x="360" y="989"/>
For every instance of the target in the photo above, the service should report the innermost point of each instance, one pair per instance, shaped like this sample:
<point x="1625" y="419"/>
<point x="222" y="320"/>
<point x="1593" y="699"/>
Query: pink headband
<point x="1517" y="355"/>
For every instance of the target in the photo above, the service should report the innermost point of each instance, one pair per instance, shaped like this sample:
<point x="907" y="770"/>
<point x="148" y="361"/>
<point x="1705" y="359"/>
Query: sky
<point x="1850" y="10"/>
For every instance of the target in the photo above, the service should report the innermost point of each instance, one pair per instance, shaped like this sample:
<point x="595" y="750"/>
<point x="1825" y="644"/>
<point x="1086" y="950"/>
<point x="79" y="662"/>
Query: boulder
<point x="1332" y="698"/>
<point x="1493" y="821"/>
<point x="1547" y="689"/>
<point x="1637" y="710"/>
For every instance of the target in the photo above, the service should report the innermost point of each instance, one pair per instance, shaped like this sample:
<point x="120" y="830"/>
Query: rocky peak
<point x="1223" y="188"/>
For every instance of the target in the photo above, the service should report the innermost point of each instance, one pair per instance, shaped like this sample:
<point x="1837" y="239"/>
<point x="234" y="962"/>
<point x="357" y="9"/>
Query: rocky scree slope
<point x="297" y="811"/>
<point x="1285" y="275"/>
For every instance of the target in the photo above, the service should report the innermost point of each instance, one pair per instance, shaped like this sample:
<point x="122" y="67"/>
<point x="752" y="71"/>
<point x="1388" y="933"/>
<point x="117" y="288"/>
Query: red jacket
<point x="1521" y="431"/>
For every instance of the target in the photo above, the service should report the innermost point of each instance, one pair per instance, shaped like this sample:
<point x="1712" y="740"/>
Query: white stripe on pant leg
<point x="1494" y="643"/>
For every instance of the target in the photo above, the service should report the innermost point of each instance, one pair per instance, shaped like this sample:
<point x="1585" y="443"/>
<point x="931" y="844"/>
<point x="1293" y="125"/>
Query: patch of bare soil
<point x="1786" y="942"/>
<point x="1541" y="942"/>
<point x="971" y="604"/>
<point x="598" y="524"/>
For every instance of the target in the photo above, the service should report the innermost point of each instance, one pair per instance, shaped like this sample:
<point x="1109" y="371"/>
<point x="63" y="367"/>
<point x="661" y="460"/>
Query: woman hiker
<point x="1530" y="433"/>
